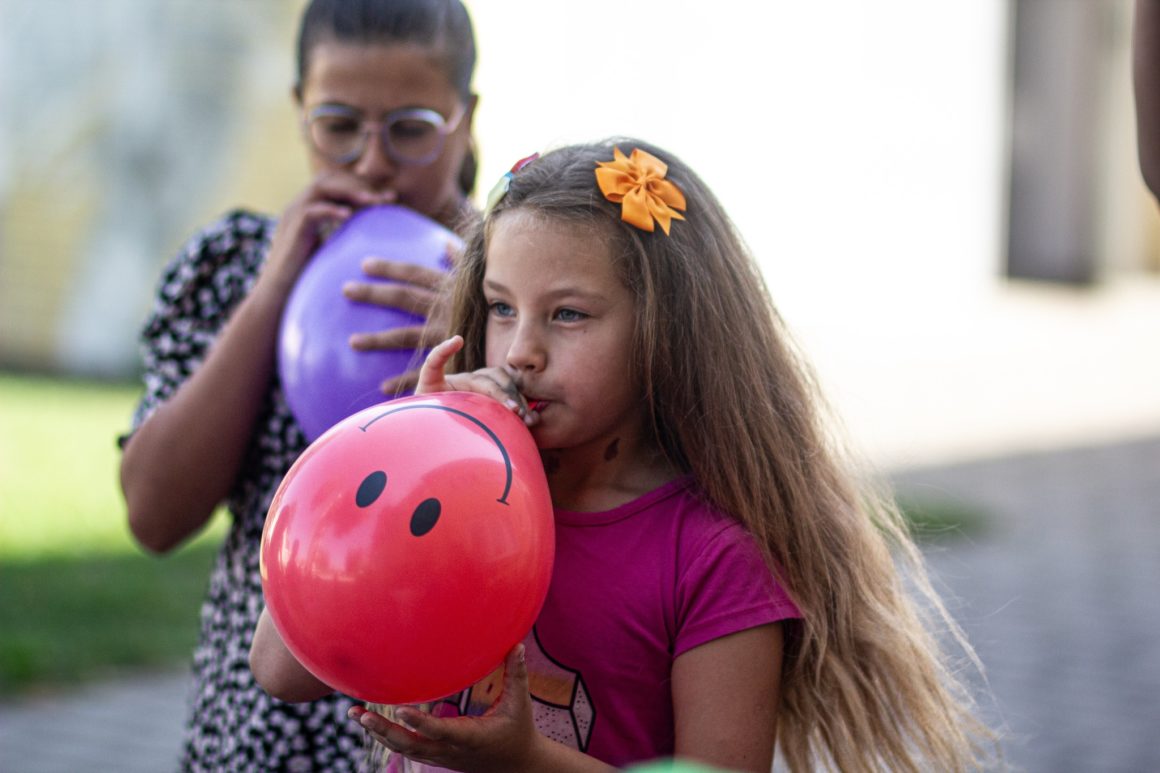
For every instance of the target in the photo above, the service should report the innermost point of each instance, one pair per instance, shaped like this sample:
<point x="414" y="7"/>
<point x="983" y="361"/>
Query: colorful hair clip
<point x="638" y="184"/>
<point x="505" y="182"/>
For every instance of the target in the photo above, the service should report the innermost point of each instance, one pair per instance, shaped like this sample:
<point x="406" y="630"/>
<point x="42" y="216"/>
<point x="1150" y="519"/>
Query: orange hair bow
<point x="638" y="184"/>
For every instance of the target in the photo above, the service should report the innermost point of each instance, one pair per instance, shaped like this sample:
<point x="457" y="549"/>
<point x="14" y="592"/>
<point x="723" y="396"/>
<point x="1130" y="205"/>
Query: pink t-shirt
<point x="632" y="589"/>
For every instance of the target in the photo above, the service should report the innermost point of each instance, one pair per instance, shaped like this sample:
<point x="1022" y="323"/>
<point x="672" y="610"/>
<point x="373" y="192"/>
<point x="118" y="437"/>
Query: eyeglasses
<point x="412" y="136"/>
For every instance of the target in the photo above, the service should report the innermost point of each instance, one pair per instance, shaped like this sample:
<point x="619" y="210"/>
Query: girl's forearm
<point x="181" y="462"/>
<point x="550" y="755"/>
<point x="277" y="670"/>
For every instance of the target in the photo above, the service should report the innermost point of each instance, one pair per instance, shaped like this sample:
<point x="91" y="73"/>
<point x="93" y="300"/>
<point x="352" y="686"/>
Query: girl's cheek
<point x="493" y="352"/>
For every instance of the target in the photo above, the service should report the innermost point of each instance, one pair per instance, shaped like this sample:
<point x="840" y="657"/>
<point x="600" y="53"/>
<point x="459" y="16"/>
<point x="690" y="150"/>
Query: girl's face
<point x="371" y="81"/>
<point x="561" y="321"/>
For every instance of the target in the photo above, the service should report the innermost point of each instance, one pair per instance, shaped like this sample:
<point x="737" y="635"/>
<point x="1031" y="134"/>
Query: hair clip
<point x="505" y="182"/>
<point x="638" y="184"/>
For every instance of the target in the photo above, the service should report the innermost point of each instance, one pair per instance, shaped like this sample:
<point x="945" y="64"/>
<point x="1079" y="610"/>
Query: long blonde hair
<point x="865" y="683"/>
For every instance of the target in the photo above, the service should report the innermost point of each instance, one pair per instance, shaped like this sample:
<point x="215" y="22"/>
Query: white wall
<point x="859" y="146"/>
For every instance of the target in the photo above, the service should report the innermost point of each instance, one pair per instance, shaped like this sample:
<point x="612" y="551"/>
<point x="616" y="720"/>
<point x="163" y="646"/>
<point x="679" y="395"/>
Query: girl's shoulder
<point x="686" y="502"/>
<point x="212" y="272"/>
<point x="702" y="534"/>
<point x="227" y="249"/>
<point x="703" y="524"/>
<point x="722" y="583"/>
<point x="238" y="232"/>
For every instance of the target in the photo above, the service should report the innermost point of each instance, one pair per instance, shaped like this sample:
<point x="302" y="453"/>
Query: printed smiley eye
<point x="370" y="489"/>
<point x="425" y="515"/>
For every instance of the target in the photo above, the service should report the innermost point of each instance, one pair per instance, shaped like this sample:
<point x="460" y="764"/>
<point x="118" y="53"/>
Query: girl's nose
<point x="526" y="351"/>
<point x="374" y="165"/>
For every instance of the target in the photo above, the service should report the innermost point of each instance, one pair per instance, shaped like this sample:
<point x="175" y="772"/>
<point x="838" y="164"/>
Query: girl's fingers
<point x="495" y="741"/>
<point x="400" y="271"/>
<point x="515" y="672"/>
<point x="482" y="382"/>
<point x="409" y="337"/>
<point x="515" y="683"/>
<point x="429" y="750"/>
<point x="494" y="383"/>
<point x="328" y="202"/>
<point x="323" y="213"/>
<point x="453" y="254"/>
<point x="344" y="186"/>
<point x="431" y="375"/>
<point x="429" y="727"/>
<point x="414" y="289"/>
<point x="384" y="731"/>
<point x="410" y="298"/>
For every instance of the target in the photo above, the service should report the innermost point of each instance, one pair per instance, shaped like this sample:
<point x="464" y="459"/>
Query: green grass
<point x="934" y="519"/>
<point x="68" y="619"/>
<point x="77" y="597"/>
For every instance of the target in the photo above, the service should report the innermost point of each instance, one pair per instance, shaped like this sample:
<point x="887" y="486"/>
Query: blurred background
<point x="944" y="198"/>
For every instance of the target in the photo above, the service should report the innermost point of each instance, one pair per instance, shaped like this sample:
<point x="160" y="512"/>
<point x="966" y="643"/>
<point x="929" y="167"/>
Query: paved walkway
<point x="1059" y="596"/>
<point x="131" y="725"/>
<point x="1061" y="599"/>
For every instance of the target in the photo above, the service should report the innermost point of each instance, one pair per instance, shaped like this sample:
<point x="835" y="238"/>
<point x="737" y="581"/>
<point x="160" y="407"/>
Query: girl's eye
<point x="338" y="126"/>
<point x="501" y="309"/>
<point x="570" y="315"/>
<point x="411" y="130"/>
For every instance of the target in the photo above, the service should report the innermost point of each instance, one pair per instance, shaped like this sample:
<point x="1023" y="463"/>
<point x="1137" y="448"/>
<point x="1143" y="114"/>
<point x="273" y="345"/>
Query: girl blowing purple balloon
<point x="384" y="102"/>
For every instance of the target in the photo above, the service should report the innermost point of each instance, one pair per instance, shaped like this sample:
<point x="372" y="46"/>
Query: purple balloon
<point x="323" y="378"/>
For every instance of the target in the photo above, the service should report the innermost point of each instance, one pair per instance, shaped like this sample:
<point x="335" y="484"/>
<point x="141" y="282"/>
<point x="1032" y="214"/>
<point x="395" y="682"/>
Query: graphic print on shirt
<point x="561" y="706"/>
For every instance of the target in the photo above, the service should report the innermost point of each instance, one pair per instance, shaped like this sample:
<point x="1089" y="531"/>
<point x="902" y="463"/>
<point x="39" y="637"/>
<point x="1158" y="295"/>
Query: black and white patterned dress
<point x="233" y="724"/>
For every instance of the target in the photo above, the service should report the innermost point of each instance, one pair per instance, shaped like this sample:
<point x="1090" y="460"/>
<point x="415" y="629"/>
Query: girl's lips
<point x="536" y="405"/>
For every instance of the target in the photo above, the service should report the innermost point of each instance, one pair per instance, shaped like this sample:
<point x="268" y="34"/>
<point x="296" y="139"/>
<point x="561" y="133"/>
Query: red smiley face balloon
<point x="410" y="547"/>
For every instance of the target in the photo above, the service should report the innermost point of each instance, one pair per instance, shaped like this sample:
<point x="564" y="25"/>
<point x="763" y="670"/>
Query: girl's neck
<point x="604" y="475"/>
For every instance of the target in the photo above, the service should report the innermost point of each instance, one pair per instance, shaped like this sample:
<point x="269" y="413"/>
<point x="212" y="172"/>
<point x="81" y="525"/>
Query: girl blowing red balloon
<point x="723" y="583"/>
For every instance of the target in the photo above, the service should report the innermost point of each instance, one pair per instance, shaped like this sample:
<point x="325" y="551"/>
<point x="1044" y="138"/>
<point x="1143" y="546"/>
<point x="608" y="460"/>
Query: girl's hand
<point x="328" y="202"/>
<point x="503" y="739"/>
<point x="414" y="289"/>
<point x="496" y="383"/>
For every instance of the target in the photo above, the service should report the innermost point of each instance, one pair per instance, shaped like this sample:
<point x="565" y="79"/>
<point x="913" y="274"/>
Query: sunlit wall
<point x="861" y="148"/>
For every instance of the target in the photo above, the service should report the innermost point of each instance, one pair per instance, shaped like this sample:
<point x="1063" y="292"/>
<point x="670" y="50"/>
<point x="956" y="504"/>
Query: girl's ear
<point x="296" y="94"/>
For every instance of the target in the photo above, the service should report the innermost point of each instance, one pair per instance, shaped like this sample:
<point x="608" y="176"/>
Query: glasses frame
<point x="367" y="126"/>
